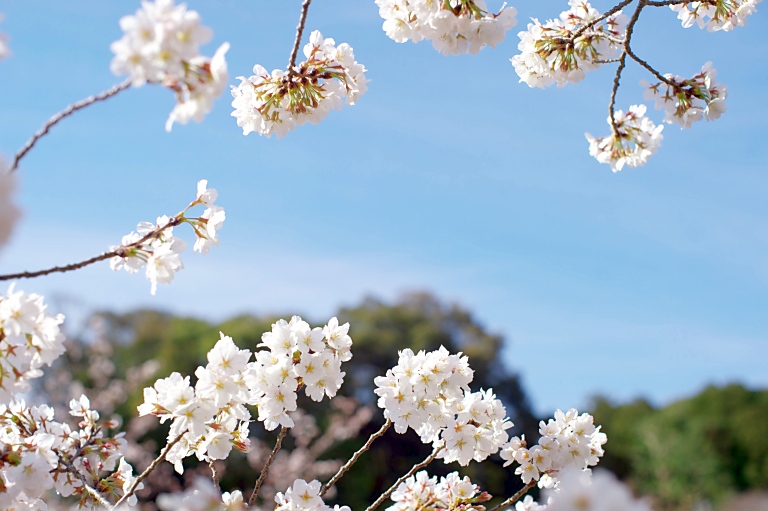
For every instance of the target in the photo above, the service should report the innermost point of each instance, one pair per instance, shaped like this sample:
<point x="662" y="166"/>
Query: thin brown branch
<point x="152" y="466"/>
<point x="607" y="14"/>
<point x="214" y="475"/>
<point x="384" y="496"/>
<point x="343" y="470"/>
<point x="120" y="251"/>
<point x="622" y="64"/>
<point x="514" y="498"/>
<point x="265" y="470"/>
<point x="299" y="35"/>
<point x="664" y="3"/>
<point x="647" y="66"/>
<point x="74" y="107"/>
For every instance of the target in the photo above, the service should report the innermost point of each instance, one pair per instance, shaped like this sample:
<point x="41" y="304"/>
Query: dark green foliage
<point x="699" y="449"/>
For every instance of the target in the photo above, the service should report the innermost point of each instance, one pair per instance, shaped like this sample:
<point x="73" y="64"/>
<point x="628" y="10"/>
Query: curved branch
<point x="265" y="470"/>
<point x="299" y="35"/>
<point x="622" y="64"/>
<point x="384" y="496"/>
<point x="74" y="107"/>
<point x="120" y="251"/>
<point x="514" y="498"/>
<point x="343" y="470"/>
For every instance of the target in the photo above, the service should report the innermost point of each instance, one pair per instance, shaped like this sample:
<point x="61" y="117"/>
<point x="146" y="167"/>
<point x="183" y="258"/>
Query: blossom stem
<point x="120" y="251"/>
<point x="265" y="470"/>
<point x="343" y="470"/>
<point x="299" y="34"/>
<point x="90" y="489"/>
<point x="74" y="107"/>
<point x="152" y="466"/>
<point x="514" y="498"/>
<point x="384" y="496"/>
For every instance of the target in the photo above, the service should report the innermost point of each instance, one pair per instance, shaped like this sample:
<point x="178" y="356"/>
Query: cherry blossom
<point x="635" y="140"/>
<point x="455" y="27"/>
<point x="715" y="15"/>
<point x="5" y="51"/>
<point x="278" y="102"/>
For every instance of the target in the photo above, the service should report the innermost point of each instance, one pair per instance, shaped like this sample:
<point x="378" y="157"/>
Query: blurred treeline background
<point x="702" y="453"/>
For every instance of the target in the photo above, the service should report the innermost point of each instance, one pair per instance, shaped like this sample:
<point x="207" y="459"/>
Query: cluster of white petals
<point x="637" y="138"/>
<point x="454" y="26"/>
<point x="202" y="496"/>
<point x="161" y="45"/>
<point x="9" y="212"/>
<point x="421" y="492"/>
<point x="40" y="454"/>
<point x="529" y="504"/>
<point x="304" y="496"/>
<point x="429" y="392"/>
<point x="278" y="102"/>
<point x="5" y="51"/>
<point x="29" y="338"/>
<point x="688" y="101"/>
<point x="553" y="52"/>
<point x="210" y="418"/>
<point x="568" y="441"/>
<point x="578" y="491"/>
<point x="715" y="14"/>
<point x="155" y="248"/>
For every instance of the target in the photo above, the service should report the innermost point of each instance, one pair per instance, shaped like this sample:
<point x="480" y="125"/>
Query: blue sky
<point x="448" y="175"/>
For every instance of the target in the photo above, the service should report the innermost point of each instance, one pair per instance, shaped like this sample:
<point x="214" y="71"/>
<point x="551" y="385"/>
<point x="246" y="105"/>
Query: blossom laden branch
<point x="343" y="470"/>
<point x="265" y="469"/>
<point x="74" y="107"/>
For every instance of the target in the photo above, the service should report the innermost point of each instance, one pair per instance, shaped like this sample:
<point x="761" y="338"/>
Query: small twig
<point x="214" y="475"/>
<point x="74" y="107"/>
<point x="120" y="251"/>
<point x="265" y="470"/>
<point x="152" y="466"/>
<point x="614" y="10"/>
<point x="343" y="470"/>
<point x="514" y="498"/>
<point x="384" y="496"/>
<point x="655" y="73"/>
<point x="91" y="490"/>
<point x="299" y="34"/>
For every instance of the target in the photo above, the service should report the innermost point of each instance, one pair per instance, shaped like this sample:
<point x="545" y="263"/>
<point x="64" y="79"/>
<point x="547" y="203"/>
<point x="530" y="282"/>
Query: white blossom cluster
<point x="562" y="50"/>
<point x="529" y="504"/>
<point x="211" y="417"/>
<point x="578" y="491"/>
<point x="453" y="26"/>
<point x="154" y="247"/>
<point x="304" y="496"/>
<point x="568" y="441"/>
<point x="9" y="213"/>
<point x="421" y="492"/>
<point x="161" y="45"/>
<point x="39" y="454"/>
<point x="638" y="138"/>
<point x="29" y="338"/>
<point x="700" y="97"/>
<point x="278" y="102"/>
<point x="5" y="51"/>
<point x="715" y="14"/>
<point x="202" y="496"/>
<point x="429" y="392"/>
